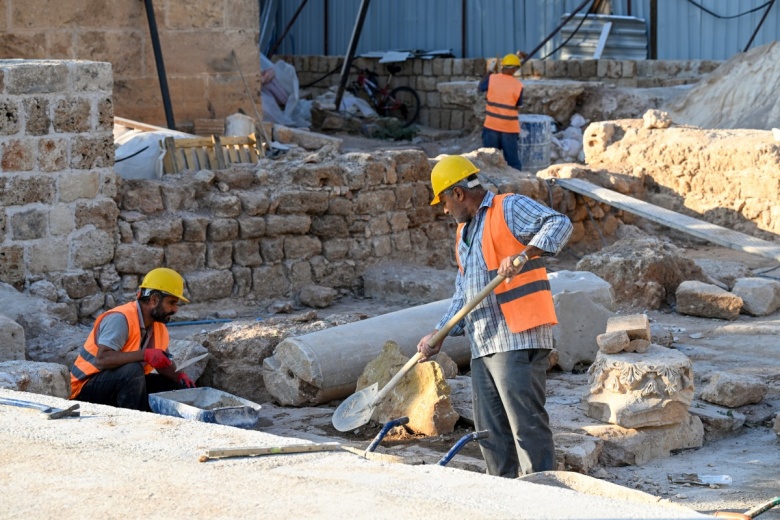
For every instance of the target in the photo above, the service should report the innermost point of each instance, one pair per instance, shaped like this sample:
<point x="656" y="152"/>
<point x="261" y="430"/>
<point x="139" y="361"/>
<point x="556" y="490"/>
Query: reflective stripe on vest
<point x="526" y="302"/>
<point x="501" y="112"/>
<point x="85" y="364"/>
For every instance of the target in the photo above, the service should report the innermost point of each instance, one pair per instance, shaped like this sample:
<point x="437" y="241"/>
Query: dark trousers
<point x="509" y="397"/>
<point x="125" y="387"/>
<point x="508" y="143"/>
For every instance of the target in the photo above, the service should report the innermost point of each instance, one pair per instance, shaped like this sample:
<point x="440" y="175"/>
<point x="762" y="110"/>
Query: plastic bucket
<point x="535" y="139"/>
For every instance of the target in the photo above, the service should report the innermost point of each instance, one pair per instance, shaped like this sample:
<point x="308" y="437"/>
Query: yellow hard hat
<point x="448" y="172"/>
<point x="510" y="60"/>
<point x="165" y="280"/>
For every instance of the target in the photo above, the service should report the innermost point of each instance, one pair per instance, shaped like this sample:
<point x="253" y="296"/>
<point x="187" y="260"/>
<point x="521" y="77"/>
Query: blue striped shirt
<point x="532" y="224"/>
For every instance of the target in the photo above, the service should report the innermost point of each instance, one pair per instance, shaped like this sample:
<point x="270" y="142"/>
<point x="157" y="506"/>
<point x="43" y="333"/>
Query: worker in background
<point x="510" y="331"/>
<point x="501" y="129"/>
<point x="127" y="343"/>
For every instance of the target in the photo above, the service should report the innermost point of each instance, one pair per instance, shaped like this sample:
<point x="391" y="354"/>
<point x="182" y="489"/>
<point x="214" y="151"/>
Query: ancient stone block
<point x="222" y="229"/>
<point x="612" y="342"/>
<point x="9" y="117"/>
<point x="105" y="114"/>
<point x="36" y="378"/>
<point x="92" y="152"/>
<point x="78" y="284"/>
<point x="636" y="326"/>
<point x="340" y="206"/>
<point x="82" y="184"/>
<point x="640" y="346"/>
<point x="733" y="390"/>
<point x="381" y="246"/>
<point x="224" y="205"/>
<point x="317" y="296"/>
<point x="269" y="282"/>
<point x="72" y="116"/>
<point x="194" y="228"/>
<point x="422" y="395"/>
<point x="401" y="241"/>
<point x="121" y="48"/>
<point x="141" y="196"/>
<point x="308" y="202"/>
<point x="91" y="248"/>
<point x="102" y="213"/>
<point x="12" y="344"/>
<point x="597" y="289"/>
<point x="635" y="447"/>
<point x="158" y="231"/>
<point x="29" y="224"/>
<point x="52" y="155"/>
<point x="247" y="253"/>
<point x="11" y="264"/>
<point x="28" y="78"/>
<point x="242" y="281"/>
<point x="640" y="390"/>
<point x="45" y="256"/>
<point x="577" y="452"/>
<point x="706" y="300"/>
<point x="301" y="247"/>
<point x="336" y="248"/>
<point x="137" y="259"/>
<point x="185" y="257"/>
<point x="37" y="114"/>
<point x="254" y="203"/>
<point x="18" y="155"/>
<point x="718" y="422"/>
<point x="581" y="320"/>
<point x="90" y="76"/>
<point x="209" y="285"/>
<point x="287" y="225"/>
<point x="272" y="249"/>
<point x="251" y="227"/>
<point x="760" y="296"/>
<point x="219" y="255"/>
<point x="374" y="202"/>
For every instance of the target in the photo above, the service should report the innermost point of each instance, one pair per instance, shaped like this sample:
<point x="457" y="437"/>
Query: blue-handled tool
<point x="386" y="428"/>
<point x="462" y="442"/>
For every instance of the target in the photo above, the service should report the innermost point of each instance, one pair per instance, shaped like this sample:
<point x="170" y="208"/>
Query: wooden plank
<point x="192" y="161"/>
<point x="232" y="154"/>
<point x="253" y="451"/>
<point x="170" y="147"/>
<point x="219" y="153"/>
<point x="203" y="158"/>
<point x="698" y="228"/>
<point x="253" y="157"/>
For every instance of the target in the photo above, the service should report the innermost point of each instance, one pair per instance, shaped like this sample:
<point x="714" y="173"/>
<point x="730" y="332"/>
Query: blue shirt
<point x="532" y="224"/>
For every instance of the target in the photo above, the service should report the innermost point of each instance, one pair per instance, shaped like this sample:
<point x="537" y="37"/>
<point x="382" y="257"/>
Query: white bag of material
<point x="239" y="125"/>
<point x="139" y="155"/>
<point x="577" y="121"/>
<point x="295" y="112"/>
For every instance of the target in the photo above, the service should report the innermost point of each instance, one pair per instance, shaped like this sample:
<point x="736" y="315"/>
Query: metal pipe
<point x="197" y="322"/>
<point x="353" y="41"/>
<point x="555" y="31"/>
<point x="286" y="29"/>
<point x="325" y="22"/>
<point x="158" y="59"/>
<point x="763" y="18"/>
<point x="653" y="29"/>
<point x="463" y="27"/>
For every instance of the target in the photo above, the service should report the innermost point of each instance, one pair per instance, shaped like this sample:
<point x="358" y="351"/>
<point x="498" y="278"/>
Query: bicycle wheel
<point x="402" y="103"/>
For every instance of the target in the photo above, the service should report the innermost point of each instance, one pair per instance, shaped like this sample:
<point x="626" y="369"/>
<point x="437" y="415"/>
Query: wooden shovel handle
<point x="394" y="381"/>
<point x="519" y="261"/>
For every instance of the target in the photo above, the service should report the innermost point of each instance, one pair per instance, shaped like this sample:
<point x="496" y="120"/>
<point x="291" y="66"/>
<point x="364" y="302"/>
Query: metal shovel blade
<point x="356" y="410"/>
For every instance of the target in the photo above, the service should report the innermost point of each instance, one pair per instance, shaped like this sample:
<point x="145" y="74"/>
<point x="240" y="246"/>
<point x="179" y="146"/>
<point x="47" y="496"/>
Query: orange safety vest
<point x="501" y="112"/>
<point x="526" y="302"/>
<point x="84" y="367"/>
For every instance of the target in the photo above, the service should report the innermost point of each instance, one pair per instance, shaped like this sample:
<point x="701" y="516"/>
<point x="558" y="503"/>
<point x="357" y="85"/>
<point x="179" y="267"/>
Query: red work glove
<point x="184" y="380"/>
<point x="156" y="358"/>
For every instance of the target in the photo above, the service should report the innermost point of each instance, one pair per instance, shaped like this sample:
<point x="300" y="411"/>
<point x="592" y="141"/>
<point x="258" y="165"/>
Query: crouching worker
<point x="126" y="343"/>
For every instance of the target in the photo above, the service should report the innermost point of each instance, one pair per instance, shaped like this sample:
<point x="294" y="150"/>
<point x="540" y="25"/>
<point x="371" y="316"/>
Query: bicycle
<point x="402" y="103"/>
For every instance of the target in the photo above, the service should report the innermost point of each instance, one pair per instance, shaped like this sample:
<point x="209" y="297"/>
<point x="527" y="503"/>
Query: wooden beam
<point x="698" y="228"/>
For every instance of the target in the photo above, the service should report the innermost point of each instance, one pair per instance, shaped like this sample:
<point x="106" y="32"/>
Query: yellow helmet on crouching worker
<point x="510" y="60"/>
<point x="164" y="280"/>
<point x="448" y="172"/>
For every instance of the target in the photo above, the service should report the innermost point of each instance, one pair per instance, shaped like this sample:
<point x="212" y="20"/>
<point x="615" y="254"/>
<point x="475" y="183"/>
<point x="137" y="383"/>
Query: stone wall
<point x="196" y="37"/>
<point x="57" y="184"/>
<point x="425" y="75"/>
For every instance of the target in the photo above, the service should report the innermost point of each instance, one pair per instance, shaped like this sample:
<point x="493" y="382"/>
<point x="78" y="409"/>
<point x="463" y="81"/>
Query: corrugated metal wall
<point x="495" y="27"/>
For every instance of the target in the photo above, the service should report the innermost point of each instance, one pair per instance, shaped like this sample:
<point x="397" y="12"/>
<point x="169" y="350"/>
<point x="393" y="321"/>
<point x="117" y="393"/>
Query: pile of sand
<point x="744" y="92"/>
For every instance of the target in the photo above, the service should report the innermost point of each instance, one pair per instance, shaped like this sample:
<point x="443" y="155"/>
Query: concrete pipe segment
<point x="325" y="365"/>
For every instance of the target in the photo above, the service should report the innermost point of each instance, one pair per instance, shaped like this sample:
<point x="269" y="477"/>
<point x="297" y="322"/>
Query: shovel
<point x="357" y="409"/>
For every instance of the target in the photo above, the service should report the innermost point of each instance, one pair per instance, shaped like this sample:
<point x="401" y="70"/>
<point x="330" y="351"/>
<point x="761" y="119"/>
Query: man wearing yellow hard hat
<point x="126" y="343"/>
<point x="501" y="129"/>
<point x="510" y="330"/>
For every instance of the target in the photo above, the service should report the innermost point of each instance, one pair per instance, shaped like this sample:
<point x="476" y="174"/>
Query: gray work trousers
<point x="508" y="399"/>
